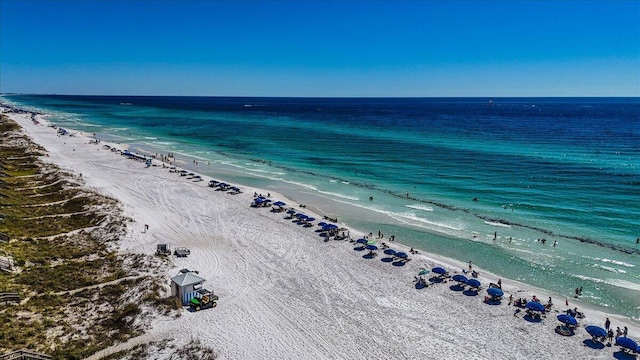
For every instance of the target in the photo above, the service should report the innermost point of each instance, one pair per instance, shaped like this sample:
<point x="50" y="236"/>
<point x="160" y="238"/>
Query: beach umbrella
<point x="402" y="255"/>
<point x="279" y="203"/>
<point x="423" y="272"/>
<point x="390" y="252"/>
<point x="322" y="223"/>
<point x="460" y="278"/>
<point x="258" y="200"/>
<point x="291" y="211"/>
<point x="439" y="270"/>
<point x="371" y="242"/>
<point x="372" y="247"/>
<point x="361" y="241"/>
<point x="301" y="216"/>
<point x="495" y="292"/>
<point x="474" y="283"/>
<point x="328" y="227"/>
<point x="535" y="306"/>
<point x="567" y="319"/>
<point x="596" y="331"/>
<point x="626" y="343"/>
<point x="311" y="219"/>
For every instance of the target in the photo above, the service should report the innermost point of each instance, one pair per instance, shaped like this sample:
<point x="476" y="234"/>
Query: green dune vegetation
<point x="76" y="294"/>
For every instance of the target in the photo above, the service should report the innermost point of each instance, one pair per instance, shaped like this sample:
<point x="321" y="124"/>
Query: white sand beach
<point x="287" y="294"/>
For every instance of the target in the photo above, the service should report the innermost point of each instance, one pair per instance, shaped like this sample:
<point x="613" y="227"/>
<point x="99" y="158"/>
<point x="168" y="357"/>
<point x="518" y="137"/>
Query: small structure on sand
<point x="181" y="252"/>
<point x="185" y="285"/>
<point x="163" y="250"/>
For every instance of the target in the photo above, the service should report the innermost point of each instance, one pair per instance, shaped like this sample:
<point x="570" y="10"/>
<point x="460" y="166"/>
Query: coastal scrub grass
<point x="78" y="295"/>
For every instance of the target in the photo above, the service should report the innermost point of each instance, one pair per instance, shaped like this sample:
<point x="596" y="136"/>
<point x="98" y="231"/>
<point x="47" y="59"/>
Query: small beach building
<point x="185" y="286"/>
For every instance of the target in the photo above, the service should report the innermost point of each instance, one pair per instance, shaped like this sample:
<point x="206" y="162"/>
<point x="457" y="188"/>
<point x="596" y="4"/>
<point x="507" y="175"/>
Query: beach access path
<point x="287" y="294"/>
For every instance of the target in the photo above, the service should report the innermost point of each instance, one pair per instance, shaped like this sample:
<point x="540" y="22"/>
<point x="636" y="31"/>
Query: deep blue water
<point x="563" y="169"/>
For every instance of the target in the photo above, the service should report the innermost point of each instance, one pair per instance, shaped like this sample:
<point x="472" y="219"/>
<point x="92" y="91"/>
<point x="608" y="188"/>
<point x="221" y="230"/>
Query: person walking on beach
<point x="470" y="266"/>
<point x="610" y="335"/>
<point x="146" y="227"/>
<point x="607" y="324"/>
<point x="625" y="331"/>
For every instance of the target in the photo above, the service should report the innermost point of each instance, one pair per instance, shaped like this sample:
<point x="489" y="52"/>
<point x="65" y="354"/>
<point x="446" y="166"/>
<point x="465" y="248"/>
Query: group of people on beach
<point x="609" y="329"/>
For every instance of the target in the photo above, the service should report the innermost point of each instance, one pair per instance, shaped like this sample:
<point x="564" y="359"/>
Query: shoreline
<point x="609" y="277"/>
<point x="343" y="254"/>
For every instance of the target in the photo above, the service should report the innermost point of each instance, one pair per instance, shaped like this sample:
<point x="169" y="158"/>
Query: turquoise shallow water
<point x="566" y="170"/>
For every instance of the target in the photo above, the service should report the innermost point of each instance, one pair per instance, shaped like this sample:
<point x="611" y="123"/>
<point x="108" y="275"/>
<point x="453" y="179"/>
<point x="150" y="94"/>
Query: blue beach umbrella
<point x="372" y="247"/>
<point x="291" y="211"/>
<point x="258" y="200"/>
<point x="439" y="270"/>
<point x="322" y="223"/>
<point x="362" y="241"/>
<point x="596" y="331"/>
<point x="390" y="252"/>
<point x="402" y="255"/>
<point x="496" y="292"/>
<point x="279" y="203"/>
<point x="567" y="319"/>
<point x="460" y="278"/>
<point x="535" y="306"/>
<point x="474" y="283"/>
<point x="626" y="343"/>
<point x="311" y="219"/>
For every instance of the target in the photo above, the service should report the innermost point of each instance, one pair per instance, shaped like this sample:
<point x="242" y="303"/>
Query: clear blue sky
<point x="321" y="48"/>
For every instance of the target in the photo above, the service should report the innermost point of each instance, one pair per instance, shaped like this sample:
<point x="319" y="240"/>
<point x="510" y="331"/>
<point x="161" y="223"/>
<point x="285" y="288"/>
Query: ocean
<point x="474" y="179"/>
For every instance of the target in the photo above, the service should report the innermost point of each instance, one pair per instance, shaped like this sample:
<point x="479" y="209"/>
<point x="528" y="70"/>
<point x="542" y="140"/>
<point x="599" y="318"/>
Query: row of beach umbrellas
<point x="566" y="319"/>
<point x="475" y="283"/>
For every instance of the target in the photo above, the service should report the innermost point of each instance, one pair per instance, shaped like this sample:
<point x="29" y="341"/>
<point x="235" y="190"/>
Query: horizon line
<point x="335" y="97"/>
